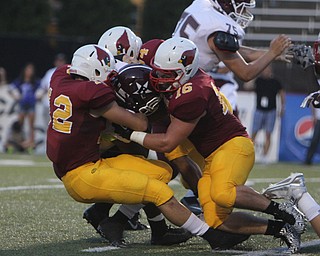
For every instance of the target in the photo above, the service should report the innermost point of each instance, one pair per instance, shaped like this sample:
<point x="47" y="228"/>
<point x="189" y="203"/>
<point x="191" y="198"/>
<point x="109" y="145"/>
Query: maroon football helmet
<point x="133" y="89"/>
<point x="148" y="50"/>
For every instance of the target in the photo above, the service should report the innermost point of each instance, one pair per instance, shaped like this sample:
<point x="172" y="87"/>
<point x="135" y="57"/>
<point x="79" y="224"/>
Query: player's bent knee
<point x="165" y="171"/>
<point x="157" y="192"/>
<point x="224" y="198"/>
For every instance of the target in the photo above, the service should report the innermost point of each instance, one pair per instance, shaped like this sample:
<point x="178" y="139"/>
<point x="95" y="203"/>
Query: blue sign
<point x="296" y="131"/>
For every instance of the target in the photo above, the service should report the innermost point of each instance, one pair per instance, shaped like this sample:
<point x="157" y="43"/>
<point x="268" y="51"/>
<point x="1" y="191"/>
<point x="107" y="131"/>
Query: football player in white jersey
<point x="216" y="27"/>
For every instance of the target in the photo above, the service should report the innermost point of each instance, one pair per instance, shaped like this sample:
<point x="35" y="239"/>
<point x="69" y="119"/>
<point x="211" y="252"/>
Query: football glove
<point x="122" y="133"/>
<point x="302" y="55"/>
<point x="313" y="98"/>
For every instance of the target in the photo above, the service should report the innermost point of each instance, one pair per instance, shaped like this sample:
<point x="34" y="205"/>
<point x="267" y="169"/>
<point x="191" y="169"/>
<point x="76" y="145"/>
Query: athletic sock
<point x="119" y="217"/>
<point x="158" y="228"/>
<point x="102" y="207"/>
<point x="130" y="210"/>
<point x="195" y="226"/>
<point x="274" y="227"/>
<point x="273" y="209"/>
<point x="309" y="206"/>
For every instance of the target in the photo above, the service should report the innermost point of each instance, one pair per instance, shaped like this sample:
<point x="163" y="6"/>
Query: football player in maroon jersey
<point x="125" y="47"/>
<point x="80" y="104"/>
<point x="133" y="80"/>
<point x="122" y="42"/>
<point x="202" y="114"/>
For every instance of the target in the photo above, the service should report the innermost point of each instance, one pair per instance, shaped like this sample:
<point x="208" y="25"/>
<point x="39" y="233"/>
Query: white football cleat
<point x="289" y="235"/>
<point x="300" y="220"/>
<point x="291" y="188"/>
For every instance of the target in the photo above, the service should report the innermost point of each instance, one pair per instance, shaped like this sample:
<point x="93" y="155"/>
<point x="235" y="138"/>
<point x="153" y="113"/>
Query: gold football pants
<point x="125" y="179"/>
<point x="226" y="168"/>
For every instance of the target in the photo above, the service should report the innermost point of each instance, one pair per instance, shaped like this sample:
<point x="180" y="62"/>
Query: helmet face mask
<point x="165" y="80"/>
<point x="175" y="62"/>
<point x="92" y="62"/>
<point x="121" y="40"/>
<point x="236" y="9"/>
<point x="133" y="89"/>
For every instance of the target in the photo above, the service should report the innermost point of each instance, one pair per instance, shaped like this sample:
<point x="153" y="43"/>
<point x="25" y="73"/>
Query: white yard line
<point x="273" y="251"/>
<point x="270" y="252"/>
<point x="174" y="182"/>
<point x="34" y="187"/>
<point x="23" y="163"/>
<point x="251" y="182"/>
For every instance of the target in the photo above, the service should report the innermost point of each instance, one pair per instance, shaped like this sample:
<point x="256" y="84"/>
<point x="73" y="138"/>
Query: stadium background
<point x="37" y="30"/>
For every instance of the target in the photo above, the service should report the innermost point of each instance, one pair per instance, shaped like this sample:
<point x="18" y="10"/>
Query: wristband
<point x="138" y="137"/>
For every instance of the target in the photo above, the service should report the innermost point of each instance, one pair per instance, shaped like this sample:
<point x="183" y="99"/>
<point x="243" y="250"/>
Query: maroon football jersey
<point x="73" y="134"/>
<point x="217" y="126"/>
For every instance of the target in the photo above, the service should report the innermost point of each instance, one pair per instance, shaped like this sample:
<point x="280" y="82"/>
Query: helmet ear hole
<point x="92" y="62"/>
<point x="176" y="61"/>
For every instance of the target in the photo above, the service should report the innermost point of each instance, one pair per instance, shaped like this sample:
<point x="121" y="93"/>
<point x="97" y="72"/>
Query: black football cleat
<point x="171" y="237"/>
<point x="112" y="231"/>
<point x="94" y="216"/>
<point x="221" y="240"/>
<point x="135" y="224"/>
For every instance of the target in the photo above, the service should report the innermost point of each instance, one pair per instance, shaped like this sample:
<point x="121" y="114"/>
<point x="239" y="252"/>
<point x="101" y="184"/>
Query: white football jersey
<point x="198" y="22"/>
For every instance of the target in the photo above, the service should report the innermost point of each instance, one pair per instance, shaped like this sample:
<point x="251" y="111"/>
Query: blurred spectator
<point x="267" y="88"/>
<point x="23" y="91"/>
<point x="3" y="77"/>
<point x="16" y="141"/>
<point x="42" y="92"/>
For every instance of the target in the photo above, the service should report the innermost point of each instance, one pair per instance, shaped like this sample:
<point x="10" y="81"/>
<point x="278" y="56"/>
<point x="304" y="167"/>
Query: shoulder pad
<point x="225" y="41"/>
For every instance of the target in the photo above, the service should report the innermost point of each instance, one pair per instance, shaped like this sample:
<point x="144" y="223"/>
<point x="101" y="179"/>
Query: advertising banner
<point x="296" y="131"/>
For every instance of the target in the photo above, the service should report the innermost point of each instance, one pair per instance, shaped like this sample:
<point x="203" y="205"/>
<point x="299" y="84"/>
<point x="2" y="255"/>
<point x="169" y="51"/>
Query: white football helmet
<point x="236" y="9"/>
<point x="121" y="40"/>
<point x="93" y="62"/>
<point x="175" y="62"/>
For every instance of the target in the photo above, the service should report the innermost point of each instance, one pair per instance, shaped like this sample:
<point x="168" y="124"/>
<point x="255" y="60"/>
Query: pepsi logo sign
<point x="303" y="130"/>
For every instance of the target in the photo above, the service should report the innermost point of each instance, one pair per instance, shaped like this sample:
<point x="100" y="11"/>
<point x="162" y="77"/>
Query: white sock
<point x="130" y="210"/>
<point x="189" y="193"/>
<point x="309" y="206"/>
<point x="195" y="225"/>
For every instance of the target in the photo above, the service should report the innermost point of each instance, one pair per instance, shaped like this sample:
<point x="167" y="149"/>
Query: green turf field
<point x="39" y="218"/>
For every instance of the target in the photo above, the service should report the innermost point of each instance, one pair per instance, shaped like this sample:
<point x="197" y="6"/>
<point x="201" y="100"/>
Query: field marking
<point x="251" y="182"/>
<point x="174" y="182"/>
<point x="271" y="252"/>
<point x="23" y="163"/>
<point x="100" y="249"/>
<point x="30" y="187"/>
